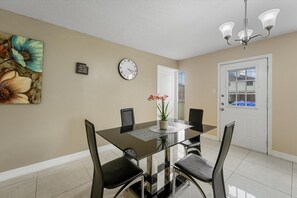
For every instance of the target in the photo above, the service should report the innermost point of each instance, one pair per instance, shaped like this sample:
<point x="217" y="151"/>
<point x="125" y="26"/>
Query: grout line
<point x="87" y="169"/>
<point x="71" y="189"/>
<point x="17" y="182"/>
<point x="263" y="184"/>
<point x="238" y="166"/>
<point x="260" y="181"/>
<point x="242" y="160"/>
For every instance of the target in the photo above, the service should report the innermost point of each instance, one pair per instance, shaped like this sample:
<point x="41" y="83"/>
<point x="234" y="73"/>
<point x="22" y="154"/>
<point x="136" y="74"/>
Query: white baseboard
<point x="213" y="137"/>
<point x="285" y="156"/>
<point x="49" y="163"/>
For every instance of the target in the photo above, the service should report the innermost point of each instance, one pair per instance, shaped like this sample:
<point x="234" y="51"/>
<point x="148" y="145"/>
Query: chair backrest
<point x="196" y="116"/>
<point x="225" y="145"/>
<point x="98" y="185"/>
<point x="127" y="116"/>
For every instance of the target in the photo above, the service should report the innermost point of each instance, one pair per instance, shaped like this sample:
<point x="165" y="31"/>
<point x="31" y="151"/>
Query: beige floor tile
<point x="281" y="181"/>
<point x="73" y="180"/>
<point x="18" y="179"/>
<point x="231" y="163"/>
<point x="82" y="191"/>
<point x="24" y="189"/>
<point x="239" y="186"/>
<point x="57" y="180"/>
<point x="104" y="158"/>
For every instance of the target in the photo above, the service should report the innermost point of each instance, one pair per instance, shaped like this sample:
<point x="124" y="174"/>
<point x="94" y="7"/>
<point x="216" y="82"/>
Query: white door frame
<point x="175" y="99"/>
<point x="269" y="95"/>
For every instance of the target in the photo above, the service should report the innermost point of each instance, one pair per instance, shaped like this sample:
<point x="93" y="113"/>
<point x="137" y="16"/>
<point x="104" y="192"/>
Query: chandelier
<point x="244" y="36"/>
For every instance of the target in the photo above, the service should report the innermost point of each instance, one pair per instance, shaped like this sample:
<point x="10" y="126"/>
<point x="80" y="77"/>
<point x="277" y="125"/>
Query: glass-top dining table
<point x="143" y="140"/>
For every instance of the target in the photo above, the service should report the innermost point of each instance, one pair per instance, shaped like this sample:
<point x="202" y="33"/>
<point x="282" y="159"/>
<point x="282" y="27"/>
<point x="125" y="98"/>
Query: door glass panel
<point x="242" y="87"/>
<point x="250" y="86"/>
<point x="232" y="75"/>
<point x="240" y="100"/>
<point x="232" y="99"/>
<point x="241" y="74"/>
<point x="251" y="73"/>
<point x="251" y="100"/>
<point x="232" y="87"/>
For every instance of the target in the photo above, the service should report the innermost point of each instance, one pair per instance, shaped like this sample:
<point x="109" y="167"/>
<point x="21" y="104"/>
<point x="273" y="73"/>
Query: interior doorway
<point x="167" y="84"/>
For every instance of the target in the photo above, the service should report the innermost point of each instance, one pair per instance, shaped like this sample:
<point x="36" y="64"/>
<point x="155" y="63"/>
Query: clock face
<point x="128" y="69"/>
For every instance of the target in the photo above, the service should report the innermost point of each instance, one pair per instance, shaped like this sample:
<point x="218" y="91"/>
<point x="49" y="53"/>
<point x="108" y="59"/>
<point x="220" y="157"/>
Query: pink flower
<point x="163" y="107"/>
<point x="157" y="97"/>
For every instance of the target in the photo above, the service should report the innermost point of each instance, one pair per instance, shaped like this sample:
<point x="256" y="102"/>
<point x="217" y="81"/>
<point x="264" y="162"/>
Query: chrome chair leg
<point x="186" y="150"/>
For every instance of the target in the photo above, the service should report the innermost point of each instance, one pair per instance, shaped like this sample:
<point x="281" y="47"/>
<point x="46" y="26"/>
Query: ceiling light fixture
<point x="244" y="36"/>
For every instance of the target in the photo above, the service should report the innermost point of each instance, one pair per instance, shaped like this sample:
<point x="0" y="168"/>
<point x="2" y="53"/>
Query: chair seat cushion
<point x="119" y="171"/>
<point x="197" y="167"/>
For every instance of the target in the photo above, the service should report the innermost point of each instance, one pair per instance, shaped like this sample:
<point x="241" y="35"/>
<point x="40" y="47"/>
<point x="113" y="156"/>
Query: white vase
<point x="163" y="124"/>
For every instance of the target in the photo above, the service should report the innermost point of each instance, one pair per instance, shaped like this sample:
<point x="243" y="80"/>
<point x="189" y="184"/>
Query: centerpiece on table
<point x="163" y="109"/>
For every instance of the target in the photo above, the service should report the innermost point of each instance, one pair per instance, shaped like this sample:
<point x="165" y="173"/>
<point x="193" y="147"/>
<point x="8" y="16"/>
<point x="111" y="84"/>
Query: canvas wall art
<point x="21" y="62"/>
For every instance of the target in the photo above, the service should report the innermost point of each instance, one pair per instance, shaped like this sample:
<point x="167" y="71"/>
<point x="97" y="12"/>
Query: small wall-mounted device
<point x="82" y="68"/>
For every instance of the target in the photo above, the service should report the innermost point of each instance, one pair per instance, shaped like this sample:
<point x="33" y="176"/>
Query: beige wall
<point x="201" y="78"/>
<point x="34" y="133"/>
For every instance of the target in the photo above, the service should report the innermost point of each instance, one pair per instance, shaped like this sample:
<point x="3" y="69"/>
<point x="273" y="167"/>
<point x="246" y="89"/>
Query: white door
<point x="167" y="85"/>
<point x="243" y="99"/>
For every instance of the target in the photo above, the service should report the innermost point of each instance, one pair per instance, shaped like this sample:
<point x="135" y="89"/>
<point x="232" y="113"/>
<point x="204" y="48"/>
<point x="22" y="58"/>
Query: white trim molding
<point x="49" y="163"/>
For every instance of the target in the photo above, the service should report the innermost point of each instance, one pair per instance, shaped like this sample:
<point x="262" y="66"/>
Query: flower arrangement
<point x="162" y="107"/>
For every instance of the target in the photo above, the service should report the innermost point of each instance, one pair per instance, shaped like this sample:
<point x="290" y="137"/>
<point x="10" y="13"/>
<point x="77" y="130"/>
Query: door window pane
<point x="232" y="87"/>
<point x="251" y="100"/>
<point x="241" y="74"/>
<point x="232" y="75"/>
<point x="232" y="99"/>
<point x="242" y="87"/>
<point x="240" y="100"/>
<point x="250" y="86"/>
<point x="251" y="73"/>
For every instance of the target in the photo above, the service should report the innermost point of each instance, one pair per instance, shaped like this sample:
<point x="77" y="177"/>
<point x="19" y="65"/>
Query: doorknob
<point x="222" y="109"/>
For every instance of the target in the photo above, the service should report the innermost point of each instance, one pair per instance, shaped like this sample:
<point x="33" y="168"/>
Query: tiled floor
<point x="248" y="174"/>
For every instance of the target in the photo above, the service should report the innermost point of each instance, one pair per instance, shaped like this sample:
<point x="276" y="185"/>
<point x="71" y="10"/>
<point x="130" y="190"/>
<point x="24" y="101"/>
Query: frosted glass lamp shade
<point x="241" y="33"/>
<point x="268" y="18"/>
<point x="226" y="29"/>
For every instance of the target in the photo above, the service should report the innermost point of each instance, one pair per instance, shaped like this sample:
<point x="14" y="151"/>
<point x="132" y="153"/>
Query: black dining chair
<point x="127" y="118"/>
<point x="118" y="172"/>
<point x="195" y="167"/>
<point x="193" y="145"/>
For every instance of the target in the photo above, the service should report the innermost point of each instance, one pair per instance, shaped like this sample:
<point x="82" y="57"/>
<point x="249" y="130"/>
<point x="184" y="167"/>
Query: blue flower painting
<point x="21" y="62"/>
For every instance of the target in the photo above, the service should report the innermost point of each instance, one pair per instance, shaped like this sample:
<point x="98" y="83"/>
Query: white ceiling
<point x="176" y="29"/>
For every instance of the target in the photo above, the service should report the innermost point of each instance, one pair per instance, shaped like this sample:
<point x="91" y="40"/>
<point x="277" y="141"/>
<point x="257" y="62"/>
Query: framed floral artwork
<point x="21" y="62"/>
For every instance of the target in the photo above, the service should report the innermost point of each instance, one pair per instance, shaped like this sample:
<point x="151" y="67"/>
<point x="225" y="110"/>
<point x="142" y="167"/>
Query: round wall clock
<point x="128" y="69"/>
